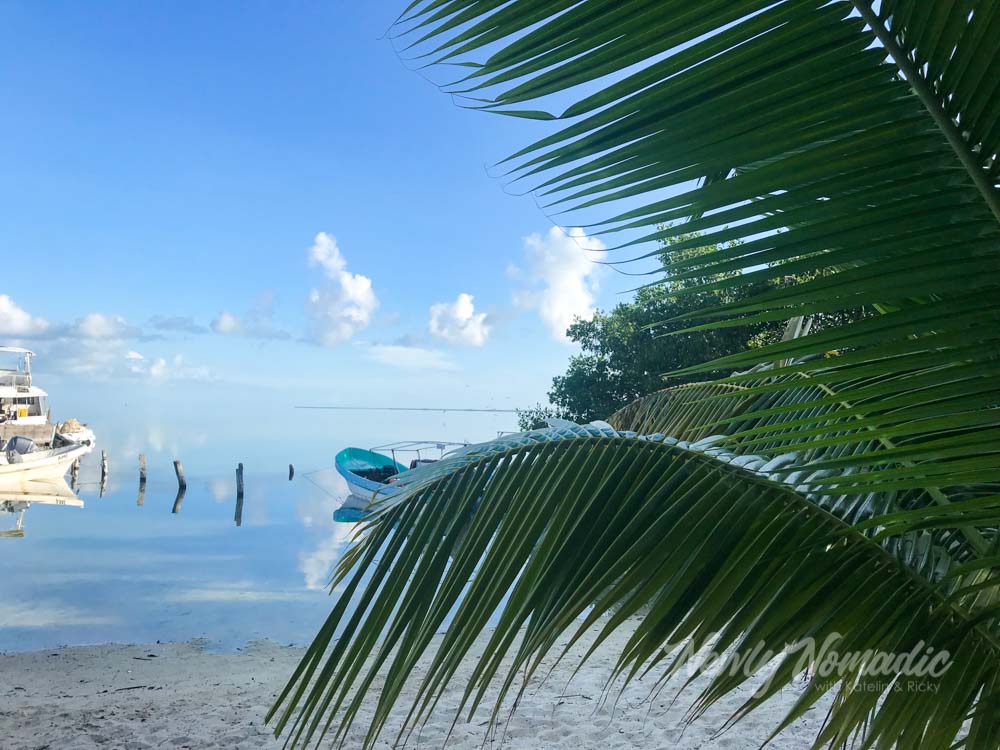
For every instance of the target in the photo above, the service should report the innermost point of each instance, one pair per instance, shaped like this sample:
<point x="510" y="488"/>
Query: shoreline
<point x="178" y="695"/>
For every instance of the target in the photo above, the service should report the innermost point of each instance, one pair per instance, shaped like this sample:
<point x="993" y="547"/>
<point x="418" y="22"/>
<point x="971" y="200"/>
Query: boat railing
<point x="419" y="447"/>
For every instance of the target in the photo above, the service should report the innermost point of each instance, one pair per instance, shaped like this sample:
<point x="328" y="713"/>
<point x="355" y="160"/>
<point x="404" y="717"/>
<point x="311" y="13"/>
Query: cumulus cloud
<point x="258" y="323"/>
<point x="409" y="357"/>
<point x="101" y="326"/>
<point x="98" y="345"/>
<point x="227" y="324"/>
<point x="15" y="321"/>
<point x="458" y="322"/>
<point x="100" y="359"/>
<point x="346" y="304"/>
<point x="176" y="368"/>
<point x="560" y="277"/>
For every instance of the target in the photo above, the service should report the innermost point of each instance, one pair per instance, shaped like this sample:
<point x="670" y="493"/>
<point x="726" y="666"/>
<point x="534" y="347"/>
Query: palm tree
<point x="847" y="486"/>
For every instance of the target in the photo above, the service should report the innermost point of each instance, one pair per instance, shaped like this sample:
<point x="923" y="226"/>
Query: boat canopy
<point x="420" y="448"/>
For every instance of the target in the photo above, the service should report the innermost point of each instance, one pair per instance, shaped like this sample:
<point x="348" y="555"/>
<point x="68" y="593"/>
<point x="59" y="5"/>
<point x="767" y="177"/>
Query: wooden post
<point x="181" y="489"/>
<point x="239" y="481"/>
<point x="104" y="472"/>
<point x="291" y="472"/>
<point x="179" y="471"/>
<point x="74" y="474"/>
<point x="239" y="510"/>
<point x="142" y="480"/>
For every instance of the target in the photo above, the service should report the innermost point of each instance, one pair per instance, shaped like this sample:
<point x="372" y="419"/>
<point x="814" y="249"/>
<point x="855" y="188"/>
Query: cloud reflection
<point x="21" y="614"/>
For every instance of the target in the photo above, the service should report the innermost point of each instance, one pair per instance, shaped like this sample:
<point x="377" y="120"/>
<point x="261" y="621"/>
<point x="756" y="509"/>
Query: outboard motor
<point x="20" y="445"/>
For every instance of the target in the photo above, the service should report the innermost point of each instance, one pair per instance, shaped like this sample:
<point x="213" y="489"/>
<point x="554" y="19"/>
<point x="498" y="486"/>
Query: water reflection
<point x="124" y="568"/>
<point x="16" y="498"/>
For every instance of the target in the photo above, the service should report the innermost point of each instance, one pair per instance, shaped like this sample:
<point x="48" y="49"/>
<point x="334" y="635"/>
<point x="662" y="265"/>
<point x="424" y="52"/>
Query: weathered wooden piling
<point x="104" y="472"/>
<point x="180" y="498"/>
<point x="142" y="480"/>
<point x="291" y="472"/>
<point x="74" y="474"/>
<point x="239" y="510"/>
<point x="179" y="471"/>
<point x="239" y="481"/>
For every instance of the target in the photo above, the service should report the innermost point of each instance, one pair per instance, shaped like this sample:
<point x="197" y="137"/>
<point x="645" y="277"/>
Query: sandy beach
<point x="182" y="696"/>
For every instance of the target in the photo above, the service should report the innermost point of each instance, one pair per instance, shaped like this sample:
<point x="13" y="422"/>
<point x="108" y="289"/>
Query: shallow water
<point x="117" y="571"/>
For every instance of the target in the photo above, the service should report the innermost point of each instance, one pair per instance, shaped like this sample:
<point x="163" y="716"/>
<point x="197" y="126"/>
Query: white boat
<point x="32" y="446"/>
<point x="368" y="471"/>
<point x="22" y="460"/>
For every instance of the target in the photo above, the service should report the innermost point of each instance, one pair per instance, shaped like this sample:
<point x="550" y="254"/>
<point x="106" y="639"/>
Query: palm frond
<point x="564" y="532"/>
<point x="858" y="138"/>
<point x="848" y="485"/>
<point x="686" y="412"/>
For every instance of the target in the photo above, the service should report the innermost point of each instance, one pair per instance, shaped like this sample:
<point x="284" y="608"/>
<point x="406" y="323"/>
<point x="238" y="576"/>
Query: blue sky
<point x="263" y="203"/>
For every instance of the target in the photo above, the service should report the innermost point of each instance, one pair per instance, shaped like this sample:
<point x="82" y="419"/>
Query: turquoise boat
<point x="371" y="471"/>
<point x="366" y="471"/>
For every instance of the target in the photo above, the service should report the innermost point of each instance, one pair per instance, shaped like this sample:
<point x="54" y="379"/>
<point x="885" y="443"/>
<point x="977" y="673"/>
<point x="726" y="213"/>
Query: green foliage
<point x="625" y="352"/>
<point x="845" y="479"/>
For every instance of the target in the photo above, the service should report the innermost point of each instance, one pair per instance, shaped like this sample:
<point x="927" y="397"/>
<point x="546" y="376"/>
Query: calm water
<point x="116" y="571"/>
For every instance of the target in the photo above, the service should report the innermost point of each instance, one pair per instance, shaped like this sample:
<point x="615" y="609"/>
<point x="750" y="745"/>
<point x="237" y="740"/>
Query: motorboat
<point x="24" y="407"/>
<point x="371" y="470"/>
<point x="22" y="460"/>
<point x="32" y="446"/>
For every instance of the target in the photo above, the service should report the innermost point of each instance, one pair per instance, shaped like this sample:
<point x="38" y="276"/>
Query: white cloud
<point x="101" y="326"/>
<point x="98" y="345"/>
<point x="561" y="277"/>
<point x="112" y="359"/>
<point x="409" y="357"/>
<point x="177" y="369"/>
<point x="346" y="305"/>
<point x="458" y="322"/>
<point x="15" y="321"/>
<point x="258" y="323"/>
<point x="227" y="324"/>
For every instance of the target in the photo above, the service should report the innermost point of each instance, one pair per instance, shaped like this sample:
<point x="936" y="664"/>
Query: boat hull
<point x="350" y="461"/>
<point x="48" y="465"/>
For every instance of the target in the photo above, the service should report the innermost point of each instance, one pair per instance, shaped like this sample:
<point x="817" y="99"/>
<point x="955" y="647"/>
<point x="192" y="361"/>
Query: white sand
<point x="179" y="696"/>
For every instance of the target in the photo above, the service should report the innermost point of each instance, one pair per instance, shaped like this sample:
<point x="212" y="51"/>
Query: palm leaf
<point x="563" y="532"/>
<point x="686" y="412"/>
<point x="849" y="484"/>
<point x="859" y="139"/>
